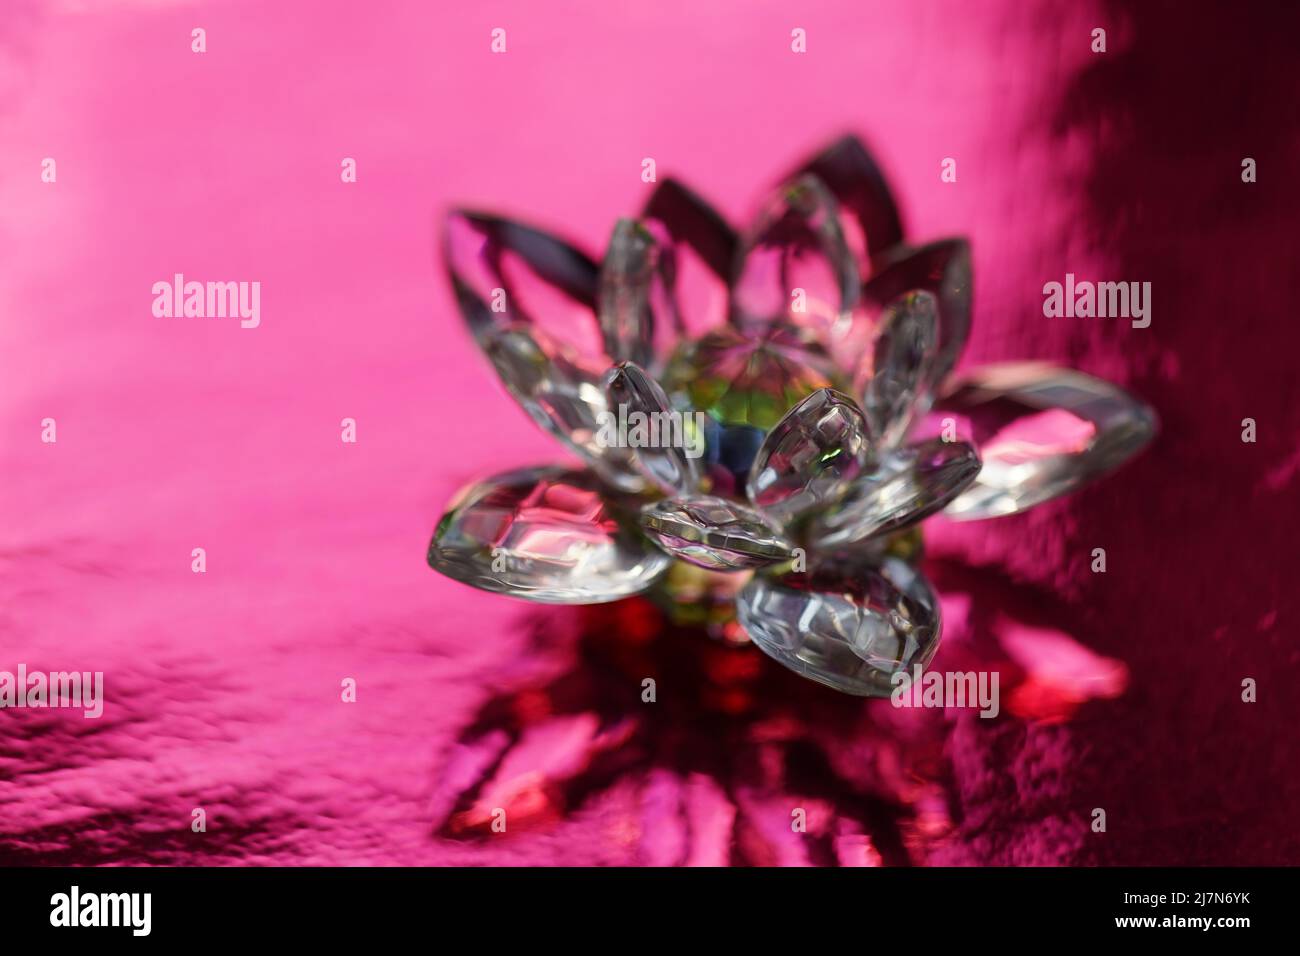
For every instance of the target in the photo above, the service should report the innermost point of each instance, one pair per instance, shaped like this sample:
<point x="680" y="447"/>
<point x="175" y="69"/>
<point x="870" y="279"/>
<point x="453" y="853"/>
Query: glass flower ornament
<point x="800" y="361"/>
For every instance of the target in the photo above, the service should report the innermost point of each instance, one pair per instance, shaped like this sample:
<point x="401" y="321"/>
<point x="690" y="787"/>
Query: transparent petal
<point x="907" y="487"/>
<point x="507" y="274"/>
<point x="895" y="381"/>
<point x="1042" y="431"/>
<point x="704" y="251"/>
<point x="855" y="180"/>
<point x="810" y="456"/>
<point x="562" y="395"/>
<point x="847" y="626"/>
<point x="636" y="306"/>
<point x="941" y="268"/>
<point x="715" y="533"/>
<point x="529" y="299"/>
<point x="544" y="534"/>
<point x="795" y="265"/>
<point x="667" y="450"/>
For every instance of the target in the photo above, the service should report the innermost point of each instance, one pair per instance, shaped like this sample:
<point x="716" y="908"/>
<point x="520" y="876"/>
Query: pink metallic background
<point x="1120" y="691"/>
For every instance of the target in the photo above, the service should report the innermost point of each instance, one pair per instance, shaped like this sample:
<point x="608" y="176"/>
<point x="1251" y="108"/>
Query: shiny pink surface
<point x="1121" y="690"/>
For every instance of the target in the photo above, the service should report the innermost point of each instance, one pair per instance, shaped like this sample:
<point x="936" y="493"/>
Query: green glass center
<point x="749" y="378"/>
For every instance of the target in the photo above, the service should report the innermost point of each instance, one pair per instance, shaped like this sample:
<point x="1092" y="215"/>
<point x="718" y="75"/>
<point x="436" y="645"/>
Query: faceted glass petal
<point x="795" y="264"/>
<point x="849" y="627"/>
<point x="853" y="177"/>
<point x="941" y="268"/>
<point x="505" y="273"/>
<point x="659" y="440"/>
<point x="691" y="220"/>
<point x="636" y="305"/>
<point x="908" y="486"/>
<point x="715" y="533"/>
<point x="563" y="396"/>
<point x="704" y="248"/>
<point x="821" y="445"/>
<point x="544" y="534"/>
<point x="1041" y="431"/>
<point x="895" y="380"/>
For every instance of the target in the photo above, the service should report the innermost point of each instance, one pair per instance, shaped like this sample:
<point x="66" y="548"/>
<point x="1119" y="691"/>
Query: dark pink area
<point x="1121" y="691"/>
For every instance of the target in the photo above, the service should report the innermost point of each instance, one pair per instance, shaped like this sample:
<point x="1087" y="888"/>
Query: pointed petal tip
<point x="545" y="535"/>
<point x="691" y="222"/>
<point x="896" y="377"/>
<point x="636" y="298"/>
<point x="664" y="459"/>
<point x="847" y="144"/>
<point x="1043" y="431"/>
<point x="794" y="263"/>
<point x="454" y="217"/>
<point x="810" y="455"/>
<point x="672" y="187"/>
<point x="850" y="170"/>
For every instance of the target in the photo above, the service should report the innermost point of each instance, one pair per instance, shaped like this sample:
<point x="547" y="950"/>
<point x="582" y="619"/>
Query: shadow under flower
<point x="738" y="761"/>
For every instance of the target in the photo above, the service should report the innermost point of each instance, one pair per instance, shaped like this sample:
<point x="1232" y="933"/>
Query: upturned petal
<point x="941" y="268"/>
<point x="636" y="304"/>
<point x="505" y="274"/>
<point x="529" y="299"/>
<point x="855" y="180"/>
<point x="662" y="454"/>
<point x="908" y="486"/>
<point x="794" y="264"/>
<point x="715" y="533"/>
<point x="563" y="396"/>
<point x="704" y="251"/>
<point x="895" y="379"/>
<point x="810" y="455"/>
<point x="544" y="534"/>
<point x="849" y="627"/>
<point x="1041" y="431"/>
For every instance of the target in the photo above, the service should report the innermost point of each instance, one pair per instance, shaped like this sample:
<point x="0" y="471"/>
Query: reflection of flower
<point x="820" y="445"/>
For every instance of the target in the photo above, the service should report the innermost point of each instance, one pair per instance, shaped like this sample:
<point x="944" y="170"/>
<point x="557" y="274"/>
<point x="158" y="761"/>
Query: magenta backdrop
<point x="223" y="689"/>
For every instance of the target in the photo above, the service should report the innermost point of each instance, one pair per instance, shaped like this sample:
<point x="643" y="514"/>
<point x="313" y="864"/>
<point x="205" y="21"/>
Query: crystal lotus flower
<point x="817" y="345"/>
